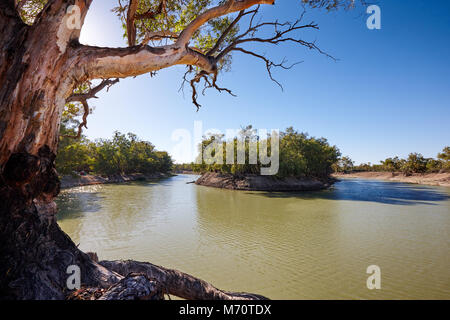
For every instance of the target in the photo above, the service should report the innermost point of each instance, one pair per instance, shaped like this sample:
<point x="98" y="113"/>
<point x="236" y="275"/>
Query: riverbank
<point x="185" y="172"/>
<point x="86" y="180"/>
<point x="432" y="179"/>
<point x="259" y="183"/>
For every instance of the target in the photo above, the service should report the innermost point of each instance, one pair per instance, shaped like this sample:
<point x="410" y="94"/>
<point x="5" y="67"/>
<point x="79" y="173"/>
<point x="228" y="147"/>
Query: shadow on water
<point x="75" y="203"/>
<point x="78" y="203"/>
<point x="395" y="193"/>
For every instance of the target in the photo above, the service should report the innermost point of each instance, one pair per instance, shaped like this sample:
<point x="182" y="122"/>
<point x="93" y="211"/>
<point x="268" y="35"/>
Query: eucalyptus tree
<point x="43" y="66"/>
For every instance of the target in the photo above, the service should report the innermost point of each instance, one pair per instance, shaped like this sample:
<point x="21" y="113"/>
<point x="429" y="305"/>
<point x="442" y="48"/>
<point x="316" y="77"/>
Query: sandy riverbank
<point x="71" y="181"/>
<point x="259" y="183"/>
<point x="434" y="179"/>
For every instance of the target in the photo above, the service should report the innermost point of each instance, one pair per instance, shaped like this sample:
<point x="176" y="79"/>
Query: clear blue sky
<point x="389" y="93"/>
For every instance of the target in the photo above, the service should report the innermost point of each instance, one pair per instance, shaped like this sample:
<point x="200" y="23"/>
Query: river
<point x="311" y="245"/>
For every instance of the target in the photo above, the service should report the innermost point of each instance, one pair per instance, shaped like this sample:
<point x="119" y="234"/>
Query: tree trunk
<point x="35" y="253"/>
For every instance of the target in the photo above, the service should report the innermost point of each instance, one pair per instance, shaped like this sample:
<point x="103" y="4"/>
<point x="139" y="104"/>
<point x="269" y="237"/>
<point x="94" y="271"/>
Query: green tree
<point x="391" y="164"/>
<point x="415" y="163"/>
<point x="299" y="155"/>
<point x="444" y="157"/>
<point x="345" y="164"/>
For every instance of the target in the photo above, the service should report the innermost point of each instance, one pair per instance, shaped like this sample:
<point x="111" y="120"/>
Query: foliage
<point x="73" y="155"/>
<point x="415" y="163"/>
<point x="392" y="164"/>
<point x="28" y="10"/>
<point x="444" y="158"/>
<point x="299" y="154"/>
<point x="123" y="154"/>
<point x="344" y="164"/>
<point x="179" y="167"/>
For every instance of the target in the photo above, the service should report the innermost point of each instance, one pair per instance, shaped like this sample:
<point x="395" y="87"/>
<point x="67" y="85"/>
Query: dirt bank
<point x="434" y="179"/>
<point x="71" y="181"/>
<point x="259" y="183"/>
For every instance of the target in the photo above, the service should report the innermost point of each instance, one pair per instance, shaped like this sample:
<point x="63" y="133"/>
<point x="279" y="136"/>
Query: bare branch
<point x="92" y="93"/>
<point x="159" y="35"/>
<point x="195" y="80"/>
<point x="278" y="37"/>
<point x="225" y="33"/>
<point x="281" y="34"/>
<point x="82" y="124"/>
<point x="82" y="98"/>
<point x="202" y="75"/>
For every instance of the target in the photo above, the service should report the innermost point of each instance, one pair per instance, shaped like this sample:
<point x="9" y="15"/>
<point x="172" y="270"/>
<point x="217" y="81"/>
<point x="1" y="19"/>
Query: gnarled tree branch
<point x="92" y="92"/>
<point x="177" y="283"/>
<point x="82" y="98"/>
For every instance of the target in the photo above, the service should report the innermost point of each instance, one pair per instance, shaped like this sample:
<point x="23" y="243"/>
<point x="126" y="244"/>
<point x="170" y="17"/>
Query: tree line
<point x="414" y="163"/>
<point x="122" y="154"/>
<point x="299" y="154"/>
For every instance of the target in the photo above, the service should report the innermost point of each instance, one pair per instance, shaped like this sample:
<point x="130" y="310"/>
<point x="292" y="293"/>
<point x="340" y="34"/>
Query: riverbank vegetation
<point x="299" y="154"/>
<point x="122" y="154"/>
<point x="414" y="163"/>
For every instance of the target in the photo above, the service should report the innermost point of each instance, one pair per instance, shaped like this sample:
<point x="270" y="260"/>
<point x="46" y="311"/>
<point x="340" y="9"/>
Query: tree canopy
<point x="122" y="154"/>
<point x="299" y="154"/>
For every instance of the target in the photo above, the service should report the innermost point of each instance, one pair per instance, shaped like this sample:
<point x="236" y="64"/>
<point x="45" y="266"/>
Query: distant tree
<point x="346" y="164"/>
<point x="434" y="165"/>
<point x="415" y="163"/>
<point x="391" y="164"/>
<point x="444" y="157"/>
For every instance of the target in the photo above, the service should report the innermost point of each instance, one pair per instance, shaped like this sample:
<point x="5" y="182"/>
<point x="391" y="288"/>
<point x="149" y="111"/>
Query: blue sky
<point x="388" y="94"/>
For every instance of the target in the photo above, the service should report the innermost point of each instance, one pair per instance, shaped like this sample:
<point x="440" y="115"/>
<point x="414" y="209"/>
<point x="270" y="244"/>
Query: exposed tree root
<point x="132" y="287"/>
<point x="146" y="281"/>
<point x="177" y="283"/>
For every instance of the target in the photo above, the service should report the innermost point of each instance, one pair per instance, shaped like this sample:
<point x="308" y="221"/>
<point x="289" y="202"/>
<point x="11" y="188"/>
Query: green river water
<point x="311" y="245"/>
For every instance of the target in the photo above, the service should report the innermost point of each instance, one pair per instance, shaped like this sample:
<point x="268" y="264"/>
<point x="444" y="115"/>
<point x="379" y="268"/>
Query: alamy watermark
<point x="235" y="146"/>
<point x="374" y="280"/>
<point x="73" y="17"/>
<point x="374" y="20"/>
<point x="74" y="279"/>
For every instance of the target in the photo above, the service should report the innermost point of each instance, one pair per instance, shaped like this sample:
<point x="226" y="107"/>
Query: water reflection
<point x="77" y="203"/>
<point x="394" y="193"/>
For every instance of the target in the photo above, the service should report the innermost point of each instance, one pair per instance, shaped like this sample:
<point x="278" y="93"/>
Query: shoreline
<point x="68" y="181"/>
<point x="186" y="172"/>
<point x="431" y="179"/>
<point x="260" y="183"/>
